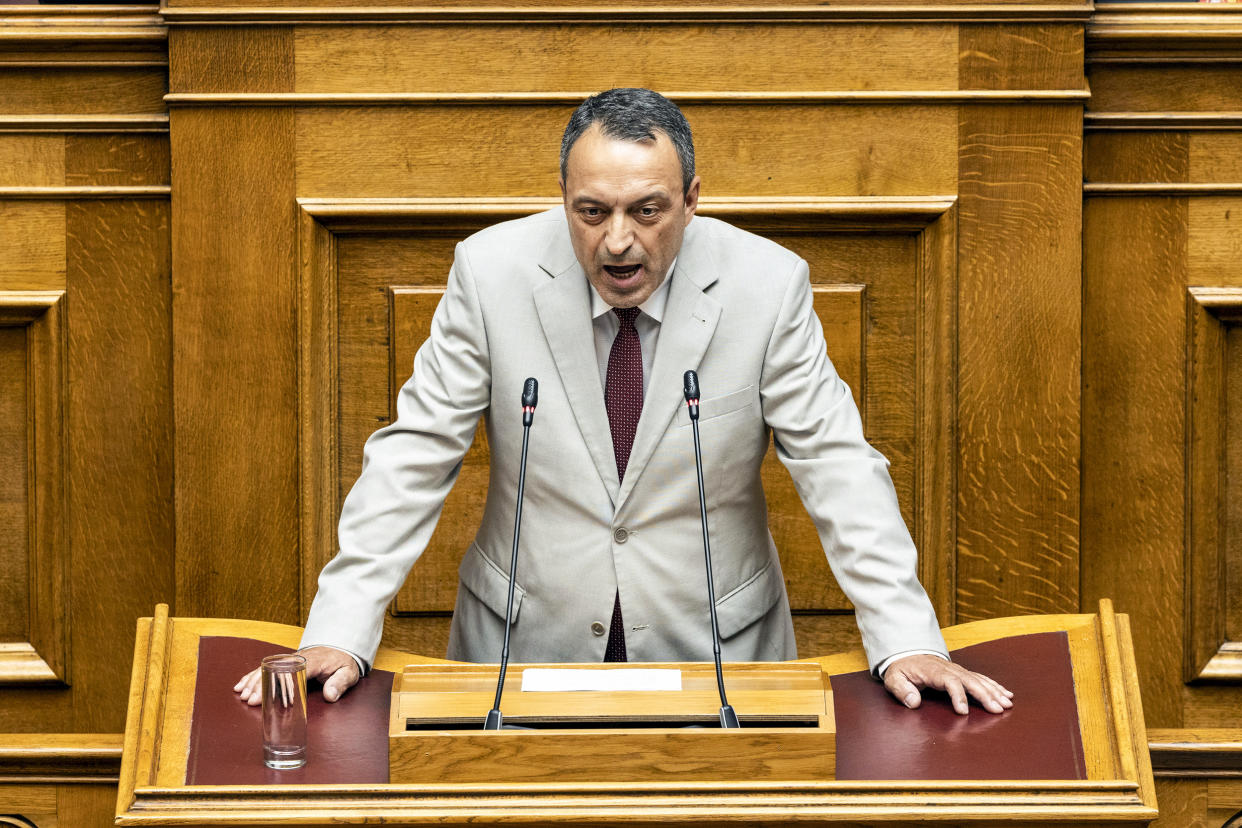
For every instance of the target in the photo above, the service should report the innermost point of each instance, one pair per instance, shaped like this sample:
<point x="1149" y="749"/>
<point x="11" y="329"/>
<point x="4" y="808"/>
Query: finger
<point x="957" y="695"/>
<point x="989" y="694"/>
<point x="902" y="689"/>
<point x="340" y="681"/>
<point x="253" y="694"/>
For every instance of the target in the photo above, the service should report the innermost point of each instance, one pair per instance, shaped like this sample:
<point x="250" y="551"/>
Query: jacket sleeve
<point x="843" y="482"/>
<point x="408" y="469"/>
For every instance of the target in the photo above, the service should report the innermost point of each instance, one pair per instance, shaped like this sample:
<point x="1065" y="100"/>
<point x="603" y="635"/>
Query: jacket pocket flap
<point x="721" y="405"/>
<point x="750" y="601"/>
<point x="488" y="582"/>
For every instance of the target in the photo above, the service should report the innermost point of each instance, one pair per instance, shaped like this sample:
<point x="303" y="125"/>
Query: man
<point x="608" y="302"/>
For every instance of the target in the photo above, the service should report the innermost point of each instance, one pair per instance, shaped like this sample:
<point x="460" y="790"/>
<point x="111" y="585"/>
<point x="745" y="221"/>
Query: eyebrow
<point x="654" y="195"/>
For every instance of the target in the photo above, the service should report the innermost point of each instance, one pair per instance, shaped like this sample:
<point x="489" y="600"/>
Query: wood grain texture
<point x="32" y="235"/>
<point x="32" y="160"/>
<point x="235" y="389"/>
<point x="1120" y="88"/>
<point x="232" y="59"/>
<point x="1214" y="243"/>
<point x="1133" y="426"/>
<point x="87" y="91"/>
<point x="1019" y="321"/>
<point x="14" y="484"/>
<point x="397" y="152"/>
<point x="498" y="57"/>
<point x="37" y="651"/>
<point x="1025" y="56"/>
<point x="1215" y="156"/>
<point x="1137" y="157"/>
<point x="120" y="427"/>
<point x="124" y="160"/>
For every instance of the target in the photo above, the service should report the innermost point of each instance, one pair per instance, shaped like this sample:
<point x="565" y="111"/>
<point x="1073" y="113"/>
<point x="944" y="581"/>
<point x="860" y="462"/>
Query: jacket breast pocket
<point x="488" y="582"/>
<point x="721" y="405"/>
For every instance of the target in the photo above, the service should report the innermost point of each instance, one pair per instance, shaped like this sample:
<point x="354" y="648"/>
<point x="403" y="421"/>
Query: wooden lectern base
<point x="788" y="731"/>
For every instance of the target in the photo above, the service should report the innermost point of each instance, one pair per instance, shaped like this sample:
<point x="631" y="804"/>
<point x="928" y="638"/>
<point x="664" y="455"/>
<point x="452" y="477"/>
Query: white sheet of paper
<point x="554" y="679"/>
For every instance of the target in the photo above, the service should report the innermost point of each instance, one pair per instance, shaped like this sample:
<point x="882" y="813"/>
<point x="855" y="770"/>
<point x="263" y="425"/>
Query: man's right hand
<point x="336" y="669"/>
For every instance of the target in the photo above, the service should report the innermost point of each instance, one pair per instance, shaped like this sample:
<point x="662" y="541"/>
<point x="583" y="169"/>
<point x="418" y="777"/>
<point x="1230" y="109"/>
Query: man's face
<point x="627" y="212"/>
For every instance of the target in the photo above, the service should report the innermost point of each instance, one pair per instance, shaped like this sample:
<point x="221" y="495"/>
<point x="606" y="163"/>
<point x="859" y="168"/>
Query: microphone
<point x="690" y="381"/>
<point x="530" y="398"/>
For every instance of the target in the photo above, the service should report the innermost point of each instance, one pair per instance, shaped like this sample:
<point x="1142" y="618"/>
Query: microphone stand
<point x="530" y="398"/>
<point x="728" y="718"/>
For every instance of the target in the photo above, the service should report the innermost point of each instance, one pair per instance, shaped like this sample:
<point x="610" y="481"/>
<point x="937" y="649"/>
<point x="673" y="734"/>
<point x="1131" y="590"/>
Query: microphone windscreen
<point x="530" y="393"/>
<point x="691" y="382"/>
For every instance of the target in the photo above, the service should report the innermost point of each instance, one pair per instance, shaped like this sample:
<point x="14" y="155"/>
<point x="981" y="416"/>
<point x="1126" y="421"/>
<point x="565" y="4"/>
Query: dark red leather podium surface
<point x="877" y="738"/>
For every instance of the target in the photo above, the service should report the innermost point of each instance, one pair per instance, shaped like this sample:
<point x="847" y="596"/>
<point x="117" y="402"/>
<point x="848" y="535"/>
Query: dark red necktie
<point x="623" y="398"/>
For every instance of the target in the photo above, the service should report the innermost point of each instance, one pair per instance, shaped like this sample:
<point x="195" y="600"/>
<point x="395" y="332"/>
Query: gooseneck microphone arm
<point x="728" y="718"/>
<point x="530" y="398"/>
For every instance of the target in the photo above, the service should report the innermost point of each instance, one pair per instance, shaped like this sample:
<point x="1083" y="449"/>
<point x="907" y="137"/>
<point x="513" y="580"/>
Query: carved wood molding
<point x="498" y="12"/>
<point x="1148" y="121"/>
<point x="83" y="123"/>
<point x="912" y="96"/>
<point x="1209" y="654"/>
<point x="1196" y="753"/>
<point x="1165" y="33"/>
<point x="932" y="219"/>
<point x="1172" y="189"/>
<point x="60" y="758"/>
<point x="85" y="193"/>
<point x="43" y="658"/>
<point x="82" y="36"/>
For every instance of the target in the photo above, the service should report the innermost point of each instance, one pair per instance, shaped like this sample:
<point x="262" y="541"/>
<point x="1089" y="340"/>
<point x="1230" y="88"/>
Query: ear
<point x="692" y="198"/>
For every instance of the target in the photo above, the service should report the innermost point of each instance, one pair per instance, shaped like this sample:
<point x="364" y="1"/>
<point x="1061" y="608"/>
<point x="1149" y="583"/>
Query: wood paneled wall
<point x="223" y="228"/>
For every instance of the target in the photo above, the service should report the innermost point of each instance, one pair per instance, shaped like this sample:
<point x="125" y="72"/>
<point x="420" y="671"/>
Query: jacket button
<point x="598" y="627"/>
<point x="621" y="535"/>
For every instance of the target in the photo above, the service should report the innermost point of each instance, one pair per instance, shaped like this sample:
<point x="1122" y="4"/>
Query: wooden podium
<point x="191" y="749"/>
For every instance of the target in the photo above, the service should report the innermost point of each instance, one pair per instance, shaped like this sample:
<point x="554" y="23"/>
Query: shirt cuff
<point x="884" y="665"/>
<point x="362" y="665"/>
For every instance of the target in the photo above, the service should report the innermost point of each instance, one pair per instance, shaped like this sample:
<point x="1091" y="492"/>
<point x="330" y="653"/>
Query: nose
<point x="619" y="235"/>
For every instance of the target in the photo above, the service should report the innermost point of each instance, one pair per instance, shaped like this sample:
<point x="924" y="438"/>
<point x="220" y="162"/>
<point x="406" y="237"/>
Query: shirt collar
<point x="653" y="307"/>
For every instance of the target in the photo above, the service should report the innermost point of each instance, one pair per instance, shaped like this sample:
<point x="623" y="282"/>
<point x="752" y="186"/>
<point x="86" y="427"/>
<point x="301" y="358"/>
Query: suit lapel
<point x="689" y="323"/>
<point x="564" y="307"/>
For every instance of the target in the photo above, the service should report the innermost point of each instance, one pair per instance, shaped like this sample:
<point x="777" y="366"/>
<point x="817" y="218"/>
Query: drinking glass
<point x="284" y="711"/>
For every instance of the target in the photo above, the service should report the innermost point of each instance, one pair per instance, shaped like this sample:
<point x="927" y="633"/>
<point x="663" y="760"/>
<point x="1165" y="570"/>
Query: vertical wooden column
<point x="235" y="328"/>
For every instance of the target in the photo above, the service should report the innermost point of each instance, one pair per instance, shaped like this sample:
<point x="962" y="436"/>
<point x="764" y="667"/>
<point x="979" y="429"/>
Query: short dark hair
<point x="632" y="115"/>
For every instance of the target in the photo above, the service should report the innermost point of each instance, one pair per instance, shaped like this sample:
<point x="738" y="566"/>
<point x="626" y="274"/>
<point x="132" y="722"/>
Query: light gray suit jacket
<point x="739" y="312"/>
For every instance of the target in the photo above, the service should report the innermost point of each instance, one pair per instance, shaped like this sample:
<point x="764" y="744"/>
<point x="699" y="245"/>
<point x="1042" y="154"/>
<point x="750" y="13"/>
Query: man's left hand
<point x="906" y="676"/>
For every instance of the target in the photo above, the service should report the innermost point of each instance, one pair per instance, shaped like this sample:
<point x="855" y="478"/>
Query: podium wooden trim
<point x="1119" y="788"/>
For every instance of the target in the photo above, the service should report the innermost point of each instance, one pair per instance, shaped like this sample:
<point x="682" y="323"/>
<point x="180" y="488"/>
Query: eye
<point x="591" y="213"/>
<point x="648" y="211"/>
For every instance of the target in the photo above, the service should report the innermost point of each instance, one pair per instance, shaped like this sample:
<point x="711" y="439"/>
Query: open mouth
<point x="622" y="272"/>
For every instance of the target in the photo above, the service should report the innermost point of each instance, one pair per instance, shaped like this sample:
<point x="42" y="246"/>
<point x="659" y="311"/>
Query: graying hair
<point x="632" y="115"/>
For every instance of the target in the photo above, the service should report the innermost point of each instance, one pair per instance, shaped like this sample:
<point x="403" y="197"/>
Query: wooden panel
<point x="1137" y="157"/>
<point x="1133" y="430"/>
<point x="1209" y="88"/>
<point x="231" y="59"/>
<point x="32" y="160"/>
<point x="32" y="236"/>
<point x="398" y="151"/>
<point x="435" y="586"/>
<point x="871" y="332"/>
<point x="1214" y="252"/>
<point x="14" y="486"/>
<point x="1018" y="333"/>
<point x="493" y="57"/>
<point x="37" y="651"/>
<point x="1023" y="56"/>
<point x="126" y="160"/>
<point x="1210" y="654"/>
<point x="121" y="442"/>
<point x="234" y="342"/>
<point x="82" y="91"/>
<point x="1216" y="156"/>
